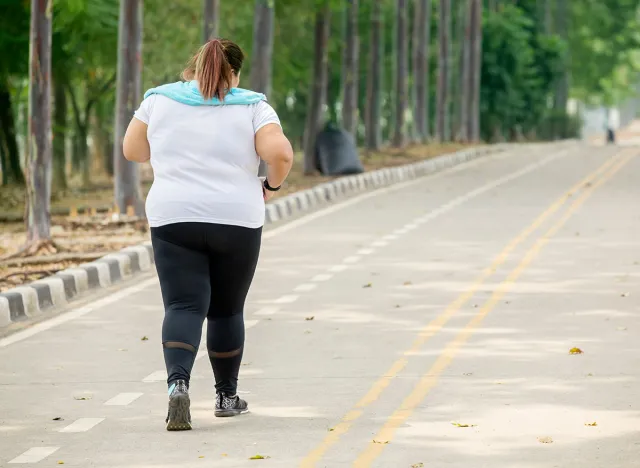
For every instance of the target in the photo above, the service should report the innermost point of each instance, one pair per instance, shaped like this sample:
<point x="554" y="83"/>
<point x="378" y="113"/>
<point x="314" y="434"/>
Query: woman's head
<point x="216" y="67"/>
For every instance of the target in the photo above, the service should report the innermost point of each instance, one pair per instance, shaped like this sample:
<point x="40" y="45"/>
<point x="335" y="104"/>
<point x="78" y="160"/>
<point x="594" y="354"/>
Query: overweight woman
<point x="204" y="138"/>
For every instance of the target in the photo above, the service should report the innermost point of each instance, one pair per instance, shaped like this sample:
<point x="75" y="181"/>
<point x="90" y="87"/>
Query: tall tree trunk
<point x="262" y="53"/>
<point x="11" y="171"/>
<point x="548" y="16"/>
<point x="351" y="71"/>
<point x="421" y="33"/>
<point x="374" y="80"/>
<point x="442" y="111"/>
<point x="59" y="136"/>
<point x="211" y="16"/>
<point x="562" y="86"/>
<point x="402" y="65"/>
<point x="475" y="70"/>
<point x="315" y="116"/>
<point x="38" y="165"/>
<point x="127" y="178"/>
<point x="464" y="93"/>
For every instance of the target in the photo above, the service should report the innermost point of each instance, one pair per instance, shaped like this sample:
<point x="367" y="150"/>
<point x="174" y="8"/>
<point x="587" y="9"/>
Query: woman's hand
<point x="267" y="194"/>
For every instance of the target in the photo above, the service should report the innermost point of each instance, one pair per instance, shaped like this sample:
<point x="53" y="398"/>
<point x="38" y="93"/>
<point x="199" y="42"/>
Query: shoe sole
<point x="179" y="413"/>
<point x="230" y="413"/>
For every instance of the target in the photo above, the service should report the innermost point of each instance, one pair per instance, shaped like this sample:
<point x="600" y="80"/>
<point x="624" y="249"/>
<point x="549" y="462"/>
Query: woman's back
<point x="204" y="162"/>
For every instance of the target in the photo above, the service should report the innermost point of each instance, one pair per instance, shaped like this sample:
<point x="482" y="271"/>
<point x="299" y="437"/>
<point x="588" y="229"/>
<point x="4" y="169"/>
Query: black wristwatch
<point x="269" y="187"/>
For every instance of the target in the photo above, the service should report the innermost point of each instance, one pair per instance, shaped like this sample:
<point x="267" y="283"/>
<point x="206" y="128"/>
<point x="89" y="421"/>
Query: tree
<point x="127" y="179"/>
<point x="421" y="36"/>
<point x="350" y="72"/>
<point x="475" y="69"/>
<point x="562" y="29"/>
<point x="442" y="107"/>
<point x="398" y="139"/>
<point x="464" y="91"/>
<point x="59" y="136"/>
<point x="374" y="80"/>
<point x="38" y="164"/>
<point x="318" y="91"/>
<point x="211" y="16"/>
<point x="262" y="51"/>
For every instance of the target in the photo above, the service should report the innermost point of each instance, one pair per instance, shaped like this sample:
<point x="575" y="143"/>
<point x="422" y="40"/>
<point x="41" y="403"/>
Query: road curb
<point x="46" y="295"/>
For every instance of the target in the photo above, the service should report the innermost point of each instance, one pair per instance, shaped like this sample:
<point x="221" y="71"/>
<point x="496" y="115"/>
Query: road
<point x="426" y="324"/>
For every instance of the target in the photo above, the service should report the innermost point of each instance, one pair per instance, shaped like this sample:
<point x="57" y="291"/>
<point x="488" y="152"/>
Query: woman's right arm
<point x="275" y="150"/>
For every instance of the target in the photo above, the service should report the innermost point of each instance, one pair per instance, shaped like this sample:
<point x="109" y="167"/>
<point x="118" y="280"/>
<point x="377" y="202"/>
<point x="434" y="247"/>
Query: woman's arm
<point x="135" y="145"/>
<point x="275" y="150"/>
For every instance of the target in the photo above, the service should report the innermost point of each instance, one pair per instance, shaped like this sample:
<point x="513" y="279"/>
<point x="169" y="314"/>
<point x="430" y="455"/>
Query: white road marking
<point x="365" y="251"/>
<point x="411" y="226"/>
<point x="322" y="277"/>
<point x="286" y="299"/>
<point x="379" y="244"/>
<point x="338" y="268"/>
<point x="82" y="425"/>
<point x="351" y="259"/>
<point x="305" y="287"/>
<point x="250" y="324"/>
<point x="389" y="237"/>
<point x="68" y="316"/>
<point x="401" y="231"/>
<point x="267" y="311"/>
<point x="123" y="399"/>
<point x="157" y="376"/>
<point x="34" y="455"/>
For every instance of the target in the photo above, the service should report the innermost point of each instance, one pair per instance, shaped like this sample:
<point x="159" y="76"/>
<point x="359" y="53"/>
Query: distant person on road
<point x="613" y="122"/>
<point x="204" y="138"/>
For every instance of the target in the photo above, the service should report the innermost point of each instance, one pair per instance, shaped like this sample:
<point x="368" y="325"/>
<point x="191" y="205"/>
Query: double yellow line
<point x="429" y="380"/>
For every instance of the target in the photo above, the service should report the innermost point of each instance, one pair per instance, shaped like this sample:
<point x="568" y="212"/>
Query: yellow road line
<point x="436" y="324"/>
<point x="430" y="379"/>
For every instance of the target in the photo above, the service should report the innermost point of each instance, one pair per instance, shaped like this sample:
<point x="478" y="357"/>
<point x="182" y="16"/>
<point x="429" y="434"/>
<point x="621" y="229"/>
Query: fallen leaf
<point x="592" y="424"/>
<point x="475" y="306"/>
<point x="144" y="338"/>
<point x="60" y="462"/>
<point x="417" y="465"/>
<point x="258" y="457"/>
<point x="575" y="351"/>
<point x="225" y="455"/>
<point x="397" y="306"/>
<point x="58" y="419"/>
<point x="622" y="328"/>
<point x="310" y="318"/>
<point x="201" y="456"/>
<point x="306" y="332"/>
<point x="589" y="374"/>
<point x="468" y="374"/>
<point x="457" y="424"/>
<point x="83" y="397"/>
<point x="626" y="294"/>
<point x="383" y="442"/>
<point x="545" y="440"/>
<point x="368" y="285"/>
<point x="331" y="429"/>
<point x="408" y="283"/>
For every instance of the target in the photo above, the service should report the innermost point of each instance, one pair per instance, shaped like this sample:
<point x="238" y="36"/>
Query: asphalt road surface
<point x="427" y="324"/>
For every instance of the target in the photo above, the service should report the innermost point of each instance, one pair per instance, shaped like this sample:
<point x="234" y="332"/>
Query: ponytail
<point x="214" y="66"/>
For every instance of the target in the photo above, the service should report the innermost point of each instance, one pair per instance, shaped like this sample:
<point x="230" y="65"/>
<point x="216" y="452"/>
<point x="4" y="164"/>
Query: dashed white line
<point x="338" y="268"/>
<point x="267" y="311"/>
<point x="157" y="376"/>
<point x="286" y="299"/>
<point x="34" y="455"/>
<point x="351" y="259"/>
<point x="123" y="399"/>
<point x="305" y="287"/>
<point x="82" y="425"/>
<point x="379" y="244"/>
<point x="365" y="251"/>
<point x="322" y="277"/>
<point x="411" y="226"/>
<point x="389" y="237"/>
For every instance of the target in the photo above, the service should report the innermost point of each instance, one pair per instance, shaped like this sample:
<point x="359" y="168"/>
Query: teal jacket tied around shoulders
<point x="187" y="92"/>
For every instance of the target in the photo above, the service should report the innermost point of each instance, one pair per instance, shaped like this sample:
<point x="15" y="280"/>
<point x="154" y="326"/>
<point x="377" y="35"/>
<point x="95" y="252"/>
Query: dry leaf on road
<point x="417" y="465"/>
<point x="575" y="351"/>
<point x="545" y="440"/>
<point x="380" y="441"/>
<point x="144" y="338"/>
<point x="258" y="457"/>
<point x="591" y="424"/>
<point x="457" y="424"/>
<point x="309" y="318"/>
<point x="368" y="285"/>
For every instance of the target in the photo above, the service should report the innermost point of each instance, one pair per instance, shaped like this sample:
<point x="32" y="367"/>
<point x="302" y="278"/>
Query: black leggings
<point x="205" y="270"/>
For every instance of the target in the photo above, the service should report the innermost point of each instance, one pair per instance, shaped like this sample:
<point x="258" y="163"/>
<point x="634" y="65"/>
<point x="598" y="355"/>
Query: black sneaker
<point x="179" y="416"/>
<point x="227" y="406"/>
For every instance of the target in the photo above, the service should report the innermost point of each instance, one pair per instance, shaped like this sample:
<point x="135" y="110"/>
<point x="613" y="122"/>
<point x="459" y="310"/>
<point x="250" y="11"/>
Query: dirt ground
<point x="84" y="227"/>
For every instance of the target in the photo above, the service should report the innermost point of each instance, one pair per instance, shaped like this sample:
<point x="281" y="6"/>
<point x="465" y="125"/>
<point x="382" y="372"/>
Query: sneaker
<point x="227" y="406"/>
<point x="179" y="416"/>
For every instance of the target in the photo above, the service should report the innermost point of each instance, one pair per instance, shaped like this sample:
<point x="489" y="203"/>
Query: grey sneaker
<point x="230" y="405"/>
<point x="179" y="416"/>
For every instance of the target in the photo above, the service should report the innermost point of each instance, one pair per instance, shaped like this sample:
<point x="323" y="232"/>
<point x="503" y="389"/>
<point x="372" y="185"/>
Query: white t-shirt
<point x="204" y="162"/>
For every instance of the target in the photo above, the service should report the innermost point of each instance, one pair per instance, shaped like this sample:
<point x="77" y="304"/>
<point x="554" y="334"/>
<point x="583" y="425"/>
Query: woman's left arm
<point x="135" y="145"/>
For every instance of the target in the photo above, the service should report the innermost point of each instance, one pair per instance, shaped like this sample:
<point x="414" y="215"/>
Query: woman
<point x="205" y="138"/>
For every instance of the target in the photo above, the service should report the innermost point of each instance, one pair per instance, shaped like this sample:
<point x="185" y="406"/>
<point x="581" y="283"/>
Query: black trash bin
<point x="336" y="152"/>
